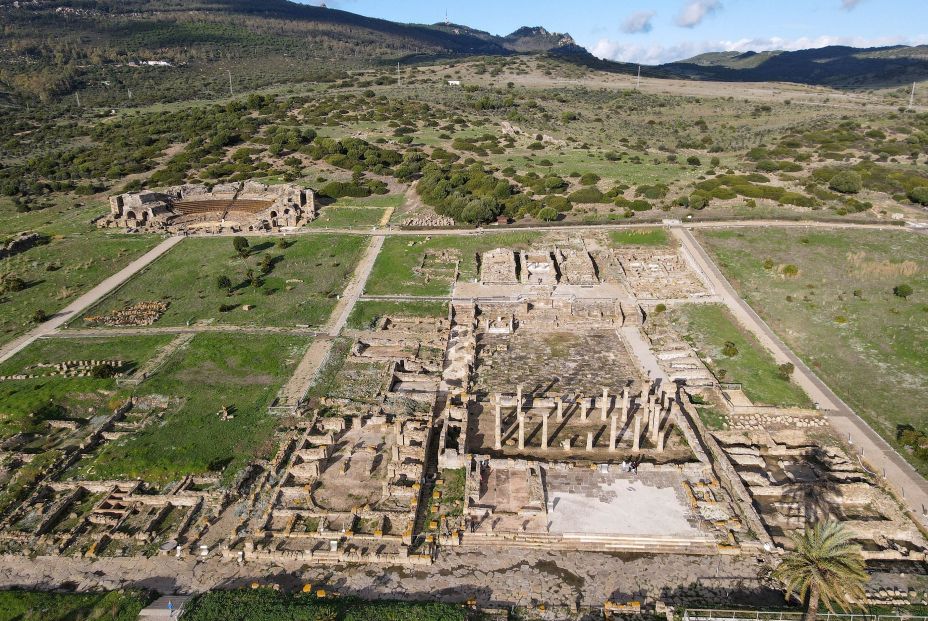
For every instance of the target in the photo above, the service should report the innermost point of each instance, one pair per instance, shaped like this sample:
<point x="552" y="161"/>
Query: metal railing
<point x="710" y="614"/>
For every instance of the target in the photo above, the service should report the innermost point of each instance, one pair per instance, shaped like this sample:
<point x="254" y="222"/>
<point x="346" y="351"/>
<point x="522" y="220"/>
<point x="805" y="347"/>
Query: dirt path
<point x="871" y="447"/>
<point x="87" y="300"/>
<point x="300" y="382"/>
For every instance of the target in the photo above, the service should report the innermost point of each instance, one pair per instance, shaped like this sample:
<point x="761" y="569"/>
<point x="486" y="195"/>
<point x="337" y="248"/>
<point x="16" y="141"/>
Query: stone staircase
<point x="595" y="543"/>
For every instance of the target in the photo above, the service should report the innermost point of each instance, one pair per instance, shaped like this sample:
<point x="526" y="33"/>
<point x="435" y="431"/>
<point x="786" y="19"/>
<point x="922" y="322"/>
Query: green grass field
<point x="839" y="314"/>
<point x="27" y="403"/>
<point x="38" y="606"/>
<point x="302" y="289"/>
<point x="241" y="372"/>
<point x="639" y="237"/>
<point x="395" y="271"/>
<point x="348" y="217"/>
<point x="709" y="328"/>
<point x="59" y="272"/>
<point x="366" y="312"/>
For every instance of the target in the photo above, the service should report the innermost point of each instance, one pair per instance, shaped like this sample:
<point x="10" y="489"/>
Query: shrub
<point x="846" y="182"/>
<point x="660" y="308"/>
<point x="693" y="160"/>
<point x="548" y="214"/>
<point x="39" y="316"/>
<point x="785" y="371"/>
<point x="790" y="270"/>
<point x="589" y="179"/>
<point x="919" y="195"/>
<point x="730" y="350"/>
<point x="588" y="195"/>
<point x="557" y="203"/>
<point x="768" y="166"/>
<point x="223" y="282"/>
<point x="10" y="283"/>
<point x="698" y="201"/>
<point x="341" y="189"/>
<point x="902" y="291"/>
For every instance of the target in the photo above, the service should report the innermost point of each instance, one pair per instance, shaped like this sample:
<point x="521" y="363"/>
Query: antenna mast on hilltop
<point x="447" y="21"/>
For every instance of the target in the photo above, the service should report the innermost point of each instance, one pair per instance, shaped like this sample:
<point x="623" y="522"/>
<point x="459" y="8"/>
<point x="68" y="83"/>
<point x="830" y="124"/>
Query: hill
<point x="835" y="66"/>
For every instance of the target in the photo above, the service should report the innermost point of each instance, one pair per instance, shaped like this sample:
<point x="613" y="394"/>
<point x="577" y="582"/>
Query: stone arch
<point x="130" y="215"/>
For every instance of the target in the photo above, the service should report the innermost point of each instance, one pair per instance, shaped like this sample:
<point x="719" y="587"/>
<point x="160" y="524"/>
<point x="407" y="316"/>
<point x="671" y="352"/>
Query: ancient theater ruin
<point x="246" y="206"/>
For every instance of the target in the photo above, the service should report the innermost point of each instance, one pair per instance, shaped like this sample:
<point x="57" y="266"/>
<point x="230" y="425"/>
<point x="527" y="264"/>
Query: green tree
<point x="902" y="291"/>
<point x="39" y="316"/>
<point x="241" y="246"/>
<point x="223" y="282"/>
<point x="785" y="371"/>
<point x="548" y="214"/>
<point x="824" y="568"/>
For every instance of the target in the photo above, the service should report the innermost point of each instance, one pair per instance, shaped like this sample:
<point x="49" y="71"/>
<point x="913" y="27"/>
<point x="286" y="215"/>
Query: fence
<point x="701" y="614"/>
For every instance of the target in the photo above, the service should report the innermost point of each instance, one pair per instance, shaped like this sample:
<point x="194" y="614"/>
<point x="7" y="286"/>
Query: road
<point x="872" y="448"/>
<point x="87" y="300"/>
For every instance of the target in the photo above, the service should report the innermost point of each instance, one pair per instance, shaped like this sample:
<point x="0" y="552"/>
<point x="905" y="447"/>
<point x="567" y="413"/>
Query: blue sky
<point x="654" y="31"/>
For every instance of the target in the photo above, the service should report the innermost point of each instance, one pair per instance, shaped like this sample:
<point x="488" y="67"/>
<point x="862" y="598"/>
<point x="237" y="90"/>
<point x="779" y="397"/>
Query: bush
<point x="730" y="350"/>
<point x="548" y="214"/>
<point x="693" y="160"/>
<point x="588" y="195"/>
<point x="39" y="316"/>
<point x="790" y="270"/>
<point x="902" y="291"/>
<point x="846" y="182"/>
<point x="10" y="283"/>
<point x="919" y="195"/>
<point x="104" y="371"/>
<point x="342" y="189"/>
<point x="557" y="203"/>
<point x="589" y="179"/>
<point x="698" y="201"/>
<point x="660" y="308"/>
<point x="785" y="371"/>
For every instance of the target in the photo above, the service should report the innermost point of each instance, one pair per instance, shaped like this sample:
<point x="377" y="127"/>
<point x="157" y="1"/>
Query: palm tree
<point x="824" y="567"/>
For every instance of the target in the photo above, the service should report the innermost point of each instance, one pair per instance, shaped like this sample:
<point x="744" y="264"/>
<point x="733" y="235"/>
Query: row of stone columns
<point x="653" y="407"/>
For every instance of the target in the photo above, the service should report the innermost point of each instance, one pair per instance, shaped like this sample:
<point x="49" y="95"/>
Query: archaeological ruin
<point x="244" y="206"/>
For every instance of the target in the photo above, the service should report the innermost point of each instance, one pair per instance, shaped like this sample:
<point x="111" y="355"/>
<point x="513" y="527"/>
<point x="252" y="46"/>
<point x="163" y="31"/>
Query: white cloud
<point x="656" y="54"/>
<point x="697" y="10"/>
<point x="638" y="22"/>
<point x="848" y="5"/>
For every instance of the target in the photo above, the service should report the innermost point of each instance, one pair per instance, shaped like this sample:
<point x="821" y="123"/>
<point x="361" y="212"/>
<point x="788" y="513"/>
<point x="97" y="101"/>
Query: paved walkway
<point x="87" y="300"/>
<point x="899" y="474"/>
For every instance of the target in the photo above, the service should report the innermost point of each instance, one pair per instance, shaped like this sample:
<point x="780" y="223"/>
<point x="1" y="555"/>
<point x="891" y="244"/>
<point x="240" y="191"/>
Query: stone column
<point x="521" y="431"/>
<point x="605" y="404"/>
<point x="612" y="431"/>
<point x="625" y="404"/>
<point x="560" y="408"/>
<point x="544" y="432"/>
<point x="636" y="438"/>
<point x="519" y="400"/>
<point x="499" y="423"/>
<point x="661" y="438"/>
<point x="589" y="440"/>
<point x="583" y="406"/>
<point x="655" y="430"/>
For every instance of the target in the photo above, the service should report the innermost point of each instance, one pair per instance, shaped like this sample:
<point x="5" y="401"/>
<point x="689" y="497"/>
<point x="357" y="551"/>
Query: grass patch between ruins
<point x="710" y="328"/>
<point x="348" y="217"/>
<point x="424" y="265"/>
<point x="308" y="275"/>
<point x="639" y="237"/>
<point x="367" y="312"/>
<point x="28" y="403"/>
<point x="838" y="311"/>
<point x="241" y="372"/>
